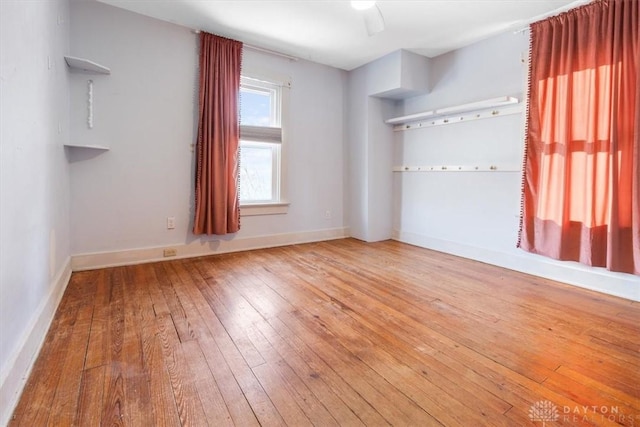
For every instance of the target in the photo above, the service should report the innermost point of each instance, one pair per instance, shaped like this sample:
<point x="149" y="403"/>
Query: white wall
<point x="475" y="214"/>
<point x="145" y="111"/>
<point x="315" y="146"/>
<point x="358" y="170"/>
<point x="372" y="90"/>
<point x="34" y="182"/>
<point x="370" y="160"/>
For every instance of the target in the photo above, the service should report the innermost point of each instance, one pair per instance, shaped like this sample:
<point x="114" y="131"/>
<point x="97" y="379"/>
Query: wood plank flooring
<point x="333" y="333"/>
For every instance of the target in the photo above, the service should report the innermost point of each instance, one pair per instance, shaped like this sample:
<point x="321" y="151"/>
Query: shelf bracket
<point x="90" y="104"/>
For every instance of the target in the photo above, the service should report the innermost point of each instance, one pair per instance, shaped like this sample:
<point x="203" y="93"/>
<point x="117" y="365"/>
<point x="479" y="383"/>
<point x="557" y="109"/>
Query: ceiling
<point x="332" y="33"/>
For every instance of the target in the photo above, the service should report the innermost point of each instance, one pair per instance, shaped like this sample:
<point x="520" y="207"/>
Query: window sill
<point x="256" y="209"/>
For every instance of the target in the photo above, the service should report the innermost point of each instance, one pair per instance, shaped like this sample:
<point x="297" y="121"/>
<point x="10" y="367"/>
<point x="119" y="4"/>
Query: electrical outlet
<point x="327" y="214"/>
<point x="170" y="252"/>
<point x="171" y="223"/>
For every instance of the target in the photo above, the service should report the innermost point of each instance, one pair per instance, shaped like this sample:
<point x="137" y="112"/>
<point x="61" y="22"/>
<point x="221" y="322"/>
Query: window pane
<point x="260" y="122"/>
<point x="255" y="107"/>
<point x="256" y="172"/>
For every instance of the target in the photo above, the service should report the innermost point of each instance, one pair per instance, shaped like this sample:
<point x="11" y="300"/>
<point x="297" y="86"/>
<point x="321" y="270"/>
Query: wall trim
<point x="202" y="247"/>
<point x="596" y="279"/>
<point x="14" y="378"/>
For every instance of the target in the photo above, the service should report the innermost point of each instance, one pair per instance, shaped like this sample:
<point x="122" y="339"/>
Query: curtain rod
<point x="554" y="12"/>
<point x="270" y="52"/>
<point x="261" y="49"/>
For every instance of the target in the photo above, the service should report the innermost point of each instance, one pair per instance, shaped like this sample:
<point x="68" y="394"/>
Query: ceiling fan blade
<point x="373" y="20"/>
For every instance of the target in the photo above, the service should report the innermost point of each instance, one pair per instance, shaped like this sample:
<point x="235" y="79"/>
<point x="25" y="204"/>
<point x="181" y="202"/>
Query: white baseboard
<point x="200" y="248"/>
<point x="596" y="279"/>
<point x="14" y="377"/>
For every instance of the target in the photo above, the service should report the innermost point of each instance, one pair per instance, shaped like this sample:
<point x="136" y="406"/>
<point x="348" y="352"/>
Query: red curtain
<point x="217" y="205"/>
<point x="581" y="185"/>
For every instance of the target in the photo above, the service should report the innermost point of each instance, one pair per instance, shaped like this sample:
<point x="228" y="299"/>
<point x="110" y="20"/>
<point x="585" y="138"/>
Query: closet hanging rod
<point x="460" y="118"/>
<point x="502" y="101"/>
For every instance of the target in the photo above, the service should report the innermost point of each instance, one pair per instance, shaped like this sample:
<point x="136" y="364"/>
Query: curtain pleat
<point x="217" y="205"/>
<point x="581" y="182"/>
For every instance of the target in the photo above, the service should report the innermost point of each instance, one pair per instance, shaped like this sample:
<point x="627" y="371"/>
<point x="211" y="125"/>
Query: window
<point x="581" y="175"/>
<point x="260" y="143"/>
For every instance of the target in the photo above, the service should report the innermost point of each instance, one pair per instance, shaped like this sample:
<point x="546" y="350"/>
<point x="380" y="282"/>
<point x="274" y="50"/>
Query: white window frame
<point x="275" y="170"/>
<point x="261" y="86"/>
<point x="275" y="135"/>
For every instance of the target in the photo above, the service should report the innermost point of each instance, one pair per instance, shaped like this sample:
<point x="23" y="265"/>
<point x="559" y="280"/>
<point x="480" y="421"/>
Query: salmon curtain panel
<point x="581" y="182"/>
<point x="217" y="205"/>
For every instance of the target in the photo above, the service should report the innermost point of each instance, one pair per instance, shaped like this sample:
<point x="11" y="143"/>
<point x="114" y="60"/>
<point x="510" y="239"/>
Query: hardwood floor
<point x="333" y="333"/>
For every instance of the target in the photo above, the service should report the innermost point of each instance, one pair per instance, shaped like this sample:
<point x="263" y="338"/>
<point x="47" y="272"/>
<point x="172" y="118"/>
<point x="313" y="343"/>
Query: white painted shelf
<point x="83" y="64"/>
<point x="448" y="114"/>
<point x="87" y="146"/>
